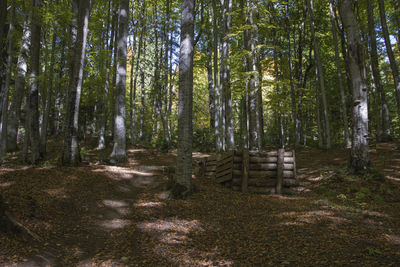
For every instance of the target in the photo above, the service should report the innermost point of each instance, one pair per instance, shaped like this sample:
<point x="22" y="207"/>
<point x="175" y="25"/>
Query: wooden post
<point x="279" y="182"/>
<point x="294" y="168"/>
<point x="245" y="168"/>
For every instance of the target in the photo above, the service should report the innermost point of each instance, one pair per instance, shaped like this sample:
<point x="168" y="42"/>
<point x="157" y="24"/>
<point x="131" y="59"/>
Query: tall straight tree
<point x="389" y="50"/>
<point x="3" y="19"/>
<point x="225" y="75"/>
<point x="359" y="159"/>
<point x="320" y="76"/>
<point x="383" y="130"/>
<point x="71" y="153"/>
<point x="4" y="119"/>
<point x="119" y="150"/>
<point x="340" y="78"/>
<point x="34" y="81"/>
<point x="19" y="88"/>
<point x="183" y="185"/>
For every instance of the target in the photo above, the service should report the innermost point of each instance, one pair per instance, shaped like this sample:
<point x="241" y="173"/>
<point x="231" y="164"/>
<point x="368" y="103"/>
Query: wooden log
<point x="236" y="188"/>
<point x="288" y="174"/>
<point x="237" y="166"/>
<point x="226" y="155"/>
<point x="262" y="190"/>
<point x="262" y="174"/>
<point x="225" y="161"/>
<point x="263" y="166"/>
<point x="263" y="160"/>
<point x="223" y="173"/>
<point x="209" y="174"/>
<point x="290" y="182"/>
<point x="211" y="168"/>
<point x="294" y="167"/>
<point x="262" y="182"/>
<point x="225" y="178"/>
<point x="264" y="153"/>
<point x="237" y="160"/>
<point x="279" y="181"/>
<point x="288" y="160"/>
<point x="224" y="167"/>
<point x="236" y="181"/>
<point x="245" y="173"/>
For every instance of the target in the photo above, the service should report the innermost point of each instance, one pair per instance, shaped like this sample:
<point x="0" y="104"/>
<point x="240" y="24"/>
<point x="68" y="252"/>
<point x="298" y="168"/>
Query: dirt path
<point x="101" y="215"/>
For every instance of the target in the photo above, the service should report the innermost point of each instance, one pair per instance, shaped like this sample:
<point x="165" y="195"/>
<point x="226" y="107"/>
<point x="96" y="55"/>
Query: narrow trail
<point x="120" y="215"/>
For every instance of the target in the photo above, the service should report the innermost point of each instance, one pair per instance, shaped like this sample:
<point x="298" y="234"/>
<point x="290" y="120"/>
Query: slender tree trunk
<point x="340" y="80"/>
<point x="291" y="79"/>
<point x="320" y="77"/>
<point x="108" y="46"/>
<point x="19" y="88"/>
<point x="278" y="93"/>
<point x="4" y="118"/>
<point x="71" y="153"/>
<point x="119" y="151"/>
<point x="183" y="185"/>
<point x="359" y="160"/>
<point x="211" y="88"/>
<point x="384" y="133"/>
<point x="389" y="51"/>
<point x="3" y="54"/>
<point x="253" y="79"/>
<point x="225" y="68"/>
<point x="217" y="103"/>
<point x="34" y="82"/>
<point x="48" y="102"/>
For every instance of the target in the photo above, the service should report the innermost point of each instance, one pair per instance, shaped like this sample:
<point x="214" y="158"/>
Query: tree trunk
<point x="48" y="102"/>
<point x="119" y="150"/>
<point x="320" y="77"/>
<point x="217" y="103"/>
<point x="253" y="79"/>
<point x="389" y="51"/>
<point x="225" y="68"/>
<point x="3" y="54"/>
<point x="384" y="133"/>
<point x="359" y="160"/>
<point x="340" y="80"/>
<point x="183" y="184"/>
<point x="34" y="81"/>
<point x="4" y="118"/>
<point x="19" y="88"/>
<point x="71" y="153"/>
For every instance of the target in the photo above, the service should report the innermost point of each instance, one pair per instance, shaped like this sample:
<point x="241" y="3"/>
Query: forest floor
<point x="120" y="215"/>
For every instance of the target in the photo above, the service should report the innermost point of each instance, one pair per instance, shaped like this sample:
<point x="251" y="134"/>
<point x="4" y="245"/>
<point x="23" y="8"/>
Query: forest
<point x="112" y="113"/>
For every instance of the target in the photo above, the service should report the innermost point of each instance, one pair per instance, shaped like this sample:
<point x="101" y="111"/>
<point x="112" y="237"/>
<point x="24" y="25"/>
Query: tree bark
<point x="183" y="185"/>
<point x="389" y="51"/>
<point x="49" y="96"/>
<point x="320" y="77"/>
<point x="340" y="79"/>
<point x="383" y="130"/>
<point x="4" y="118"/>
<point x="119" y="150"/>
<point x="225" y="68"/>
<point x="71" y="153"/>
<point x="359" y="159"/>
<point x="217" y="99"/>
<point x="34" y="83"/>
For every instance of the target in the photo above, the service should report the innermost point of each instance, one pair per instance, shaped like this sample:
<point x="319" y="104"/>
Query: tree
<point x="359" y="159"/>
<point x="389" y="51"/>
<point x="183" y="186"/>
<point x="383" y="130"/>
<point x="119" y="150"/>
<point x="71" y="153"/>
<point x="33" y="81"/>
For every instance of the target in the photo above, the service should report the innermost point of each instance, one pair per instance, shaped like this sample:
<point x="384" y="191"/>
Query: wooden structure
<point x="250" y="171"/>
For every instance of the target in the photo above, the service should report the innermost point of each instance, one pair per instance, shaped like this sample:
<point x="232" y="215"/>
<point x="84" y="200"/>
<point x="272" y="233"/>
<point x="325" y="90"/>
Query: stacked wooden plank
<point x="211" y="166"/>
<point x="258" y="172"/>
